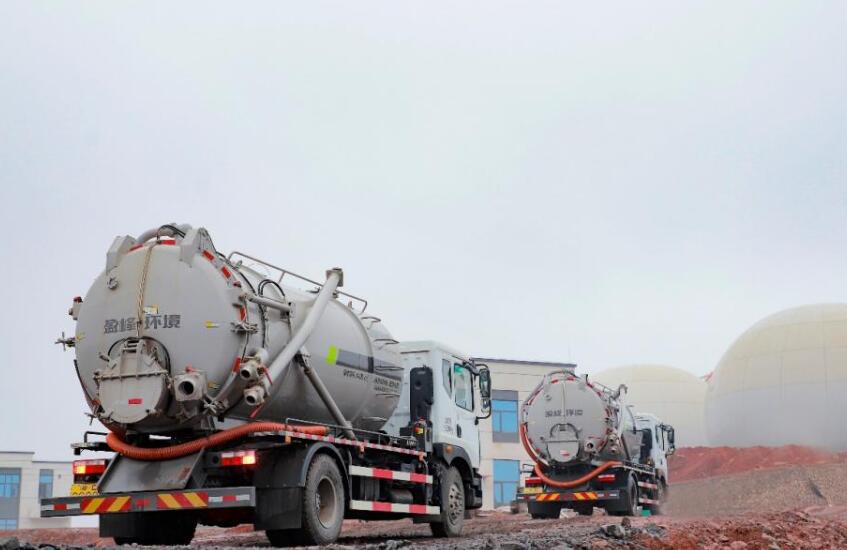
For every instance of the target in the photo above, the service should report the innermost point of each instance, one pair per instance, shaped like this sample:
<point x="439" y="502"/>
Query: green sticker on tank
<point x="331" y="355"/>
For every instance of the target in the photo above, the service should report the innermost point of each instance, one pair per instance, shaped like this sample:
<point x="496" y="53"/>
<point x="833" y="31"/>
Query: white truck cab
<point x="446" y="388"/>
<point x="657" y="443"/>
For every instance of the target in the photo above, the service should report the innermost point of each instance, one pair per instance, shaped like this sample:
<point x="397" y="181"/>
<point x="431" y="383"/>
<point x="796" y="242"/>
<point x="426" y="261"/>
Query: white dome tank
<point x="783" y="382"/>
<point x="674" y="395"/>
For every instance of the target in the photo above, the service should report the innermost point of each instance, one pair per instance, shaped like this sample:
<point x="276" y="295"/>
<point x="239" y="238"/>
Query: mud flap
<point x="125" y="475"/>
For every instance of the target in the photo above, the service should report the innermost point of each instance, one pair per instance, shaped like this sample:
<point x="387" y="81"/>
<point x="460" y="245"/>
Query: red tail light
<point x="89" y="467"/>
<point x="533" y="481"/>
<point x="239" y="458"/>
<point x="606" y="478"/>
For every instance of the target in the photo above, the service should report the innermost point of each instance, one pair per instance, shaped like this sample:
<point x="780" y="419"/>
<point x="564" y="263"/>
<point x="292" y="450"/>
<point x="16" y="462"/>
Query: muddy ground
<point x="786" y="498"/>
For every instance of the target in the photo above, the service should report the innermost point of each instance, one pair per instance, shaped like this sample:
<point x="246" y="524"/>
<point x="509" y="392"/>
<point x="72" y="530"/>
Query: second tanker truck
<point x="233" y="397"/>
<point x="590" y="450"/>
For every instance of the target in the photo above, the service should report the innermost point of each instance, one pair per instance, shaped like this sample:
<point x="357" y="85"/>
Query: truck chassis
<point x="620" y="491"/>
<point x="297" y="487"/>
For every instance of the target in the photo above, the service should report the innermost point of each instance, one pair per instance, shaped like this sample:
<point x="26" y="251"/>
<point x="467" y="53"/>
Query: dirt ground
<point x="786" y="498"/>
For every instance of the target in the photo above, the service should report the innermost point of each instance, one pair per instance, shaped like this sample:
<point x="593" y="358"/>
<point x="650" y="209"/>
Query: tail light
<point x="533" y="481"/>
<point x="239" y="458"/>
<point x="606" y="478"/>
<point x="89" y="468"/>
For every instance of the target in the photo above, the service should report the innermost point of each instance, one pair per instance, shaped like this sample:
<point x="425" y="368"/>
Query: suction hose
<point x="561" y="484"/>
<point x="120" y="446"/>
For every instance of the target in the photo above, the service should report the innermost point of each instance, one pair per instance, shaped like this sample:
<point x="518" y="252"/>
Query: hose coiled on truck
<point x="561" y="484"/>
<point x="117" y="444"/>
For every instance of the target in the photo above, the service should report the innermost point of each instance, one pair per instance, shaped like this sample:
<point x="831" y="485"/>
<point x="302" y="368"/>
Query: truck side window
<point x="463" y="382"/>
<point x="446" y="378"/>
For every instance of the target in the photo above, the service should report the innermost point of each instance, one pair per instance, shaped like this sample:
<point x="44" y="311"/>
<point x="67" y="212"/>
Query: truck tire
<point x="629" y="499"/>
<point x="660" y="494"/>
<point x="584" y="510"/>
<point x="546" y="510"/>
<point x="452" y="492"/>
<point x="172" y="529"/>
<point x="322" y="510"/>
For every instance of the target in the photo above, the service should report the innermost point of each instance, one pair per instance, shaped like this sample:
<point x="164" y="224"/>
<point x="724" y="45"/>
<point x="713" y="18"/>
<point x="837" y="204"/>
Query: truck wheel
<point x="544" y="511"/>
<point x="585" y="510"/>
<point x="452" y="491"/>
<point x="629" y="499"/>
<point x="661" y="494"/>
<point x="323" y="503"/>
<point x="172" y="529"/>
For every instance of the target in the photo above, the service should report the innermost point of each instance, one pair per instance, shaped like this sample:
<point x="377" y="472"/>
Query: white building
<point x="23" y="482"/>
<point x="501" y="450"/>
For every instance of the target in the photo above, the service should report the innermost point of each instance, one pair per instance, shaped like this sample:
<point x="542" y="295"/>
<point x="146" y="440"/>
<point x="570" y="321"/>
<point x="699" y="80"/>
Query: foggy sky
<point x="607" y="185"/>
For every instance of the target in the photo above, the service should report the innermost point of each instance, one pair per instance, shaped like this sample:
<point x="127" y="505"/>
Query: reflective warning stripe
<point x="229" y="498"/>
<point x="646" y="485"/>
<point x="375" y="506"/>
<point x="105" y="505"/>
<point x="181" y="501"/>
<point x="232" y="497"/>
<point x="581" y="496"/>
<point x="645" y="500"/>
<point x="381" y="473"/>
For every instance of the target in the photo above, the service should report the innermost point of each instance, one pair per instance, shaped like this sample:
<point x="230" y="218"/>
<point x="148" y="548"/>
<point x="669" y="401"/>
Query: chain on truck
<point x="233" y="397"/>
<point x="590" y="450"/>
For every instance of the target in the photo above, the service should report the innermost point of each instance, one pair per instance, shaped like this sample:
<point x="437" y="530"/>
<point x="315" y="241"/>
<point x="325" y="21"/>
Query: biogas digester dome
<point x="674" y="395"/>
<point x="784" y="381"/>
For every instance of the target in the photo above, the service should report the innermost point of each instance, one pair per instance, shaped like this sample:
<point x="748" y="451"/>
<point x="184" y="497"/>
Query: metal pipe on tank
<point x="280" y="363"/>
<point x="269" y="302"/>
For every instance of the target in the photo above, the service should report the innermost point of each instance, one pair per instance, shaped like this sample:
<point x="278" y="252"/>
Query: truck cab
<point x="657" y="443"/>
<point x="451" y="393"/>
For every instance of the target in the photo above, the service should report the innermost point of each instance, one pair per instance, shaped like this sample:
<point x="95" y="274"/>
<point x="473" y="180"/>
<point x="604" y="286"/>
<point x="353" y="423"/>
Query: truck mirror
<point x="485" y="383"/>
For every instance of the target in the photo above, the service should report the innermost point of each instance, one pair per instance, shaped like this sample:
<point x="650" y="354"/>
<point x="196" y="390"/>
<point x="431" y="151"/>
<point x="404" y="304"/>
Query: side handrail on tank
<point x="283" y="272"/>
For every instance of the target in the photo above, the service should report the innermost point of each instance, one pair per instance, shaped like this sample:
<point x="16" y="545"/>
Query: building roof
<point x="551" y="364"/>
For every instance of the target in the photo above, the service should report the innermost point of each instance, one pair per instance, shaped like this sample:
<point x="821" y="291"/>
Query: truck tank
<point x="174" y="336"/>
<point x="569" y="420"/>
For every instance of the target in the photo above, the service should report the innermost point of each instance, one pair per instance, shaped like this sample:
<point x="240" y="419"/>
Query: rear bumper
<point x="568" y="496"/>
<point x="151" y="501"/>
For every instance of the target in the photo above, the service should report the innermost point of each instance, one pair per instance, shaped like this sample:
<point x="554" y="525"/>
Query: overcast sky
<point x="635" y="182"/>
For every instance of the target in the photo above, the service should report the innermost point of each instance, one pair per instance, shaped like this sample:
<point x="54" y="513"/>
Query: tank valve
<point x="249" y="372"/>
<point x="254" y="395"/>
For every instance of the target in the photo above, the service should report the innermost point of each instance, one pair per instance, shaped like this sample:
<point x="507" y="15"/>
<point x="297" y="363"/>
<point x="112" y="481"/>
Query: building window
<point x="10" y="484"/>
<point x="45" y="483"/>
<point x="8" y="524"/>
<point x="504" y="416"/>
<point x="506" y="478"/>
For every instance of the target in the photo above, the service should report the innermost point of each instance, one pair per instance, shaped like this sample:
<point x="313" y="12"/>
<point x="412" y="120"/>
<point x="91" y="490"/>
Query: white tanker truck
<point x="589" y="450"/>
<point x="232" y="397"/>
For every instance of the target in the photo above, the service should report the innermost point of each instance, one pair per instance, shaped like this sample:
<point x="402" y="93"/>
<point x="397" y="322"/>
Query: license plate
<point x="83" y="489"/>
<point x="532" y="490"/>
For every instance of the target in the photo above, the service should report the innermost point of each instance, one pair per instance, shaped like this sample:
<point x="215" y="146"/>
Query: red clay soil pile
<point x="691" y="463"/>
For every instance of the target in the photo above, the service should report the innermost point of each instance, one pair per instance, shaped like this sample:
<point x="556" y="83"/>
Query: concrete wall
<point x="29" y="509"/>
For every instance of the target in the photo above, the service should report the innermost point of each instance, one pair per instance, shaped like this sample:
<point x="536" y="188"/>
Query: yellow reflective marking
<point x="194" y="499"/>
<point x="169" y="501"/>
<point x="579" y="496"/>
<point x="92" y="505"/>
<point x="118" y="504"/>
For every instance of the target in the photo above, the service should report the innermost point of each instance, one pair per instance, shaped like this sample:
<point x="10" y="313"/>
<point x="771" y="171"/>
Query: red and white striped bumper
<point x="375" y="506"/>
<point x="154" y="501"/>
